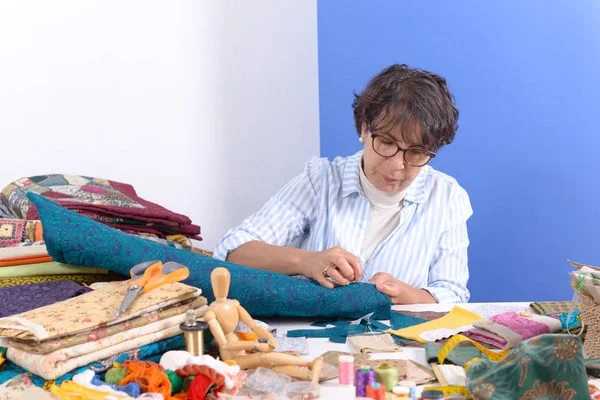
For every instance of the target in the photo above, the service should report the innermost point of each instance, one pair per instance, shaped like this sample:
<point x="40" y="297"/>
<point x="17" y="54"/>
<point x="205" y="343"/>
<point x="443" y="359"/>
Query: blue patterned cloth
<point x="75" y="239"/>
<point x="401" y="321"/>
<point x="150" y="352"/>
<point x="340" y="330"/>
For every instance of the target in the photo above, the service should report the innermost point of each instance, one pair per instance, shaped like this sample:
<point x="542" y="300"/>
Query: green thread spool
<point x="115" y="375"/>
<point x="387" y="376"/>
<point x="176" y="381"/>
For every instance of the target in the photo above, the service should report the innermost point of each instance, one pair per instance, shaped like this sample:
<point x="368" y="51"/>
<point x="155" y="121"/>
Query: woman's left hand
<point x="400" y="292"/>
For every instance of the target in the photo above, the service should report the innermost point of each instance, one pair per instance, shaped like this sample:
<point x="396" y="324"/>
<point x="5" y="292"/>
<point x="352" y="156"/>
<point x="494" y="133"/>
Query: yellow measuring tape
<point x="455" y="340"/>
<point x="448" y="347"/>
<point x="450" y="390"/>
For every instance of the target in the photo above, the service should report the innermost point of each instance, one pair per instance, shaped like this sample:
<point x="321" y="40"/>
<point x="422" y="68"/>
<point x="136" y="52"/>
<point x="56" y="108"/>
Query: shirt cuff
<point x="232" y="242"/>
<point x="443" y="295"/>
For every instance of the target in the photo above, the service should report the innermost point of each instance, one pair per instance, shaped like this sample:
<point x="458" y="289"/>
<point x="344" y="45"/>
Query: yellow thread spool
<point x="387" y="376"/>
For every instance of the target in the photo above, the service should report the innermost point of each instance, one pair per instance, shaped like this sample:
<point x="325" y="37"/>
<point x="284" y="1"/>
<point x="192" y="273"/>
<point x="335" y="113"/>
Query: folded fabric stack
<point x="25" y="261"/>
<point x="112" y="203"/>
<point x="53" y="340"/>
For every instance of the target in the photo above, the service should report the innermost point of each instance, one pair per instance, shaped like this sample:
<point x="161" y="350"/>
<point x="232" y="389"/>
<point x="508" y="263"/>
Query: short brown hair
<point x="399" y="95"/>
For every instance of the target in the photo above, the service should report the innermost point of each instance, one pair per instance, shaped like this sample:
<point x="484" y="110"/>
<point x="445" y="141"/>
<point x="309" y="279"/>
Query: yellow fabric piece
<point x="86" y="279"/>
<point x="454" y="319"/>
<point x="48" y="268"/>
<point x="179" y="239"/>
<point x="70" y="390"/>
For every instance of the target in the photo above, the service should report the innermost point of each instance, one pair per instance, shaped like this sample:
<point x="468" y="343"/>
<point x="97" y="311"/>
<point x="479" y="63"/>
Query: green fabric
<point x="48" y="268"/>
<point x="458" y="355"/>
<point x="544" y="367"/>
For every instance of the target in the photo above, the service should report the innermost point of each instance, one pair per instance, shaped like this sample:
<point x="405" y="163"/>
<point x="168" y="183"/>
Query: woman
<point x="382" y="215"/>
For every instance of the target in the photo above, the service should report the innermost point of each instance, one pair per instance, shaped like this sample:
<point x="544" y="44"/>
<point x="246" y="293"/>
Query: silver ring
<point x="325" y="271"/>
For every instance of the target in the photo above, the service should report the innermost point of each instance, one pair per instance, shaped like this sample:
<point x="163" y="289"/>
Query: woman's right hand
<point x="342" y="267"/>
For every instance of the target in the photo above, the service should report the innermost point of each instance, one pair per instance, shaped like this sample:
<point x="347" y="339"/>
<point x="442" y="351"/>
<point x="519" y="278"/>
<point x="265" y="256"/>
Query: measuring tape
<point x="455" y="340"/>
<point x="448" y="347"/>
<point x="450" y="390"/>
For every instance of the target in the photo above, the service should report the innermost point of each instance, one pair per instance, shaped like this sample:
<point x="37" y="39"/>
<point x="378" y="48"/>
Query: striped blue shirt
<point x="325" y="207"/>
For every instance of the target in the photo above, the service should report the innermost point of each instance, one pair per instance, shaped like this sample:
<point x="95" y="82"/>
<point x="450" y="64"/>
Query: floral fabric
<point x="150" y="352"/>
<point x="545" y="367"/>
<point x="15" y="387"/>
<point x="48" y="346"/>
<point x="90" y="310"/>
<point x="57" y="363"/>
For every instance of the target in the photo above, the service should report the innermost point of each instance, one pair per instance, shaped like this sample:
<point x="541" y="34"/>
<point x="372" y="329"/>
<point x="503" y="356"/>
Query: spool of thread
<point x="193" y="332"/>
<point x="387" y="375"/>
<point x="346" y="370"/>
<point x="376" y="391"/>
<point x="303" y="390"/>
<point x="412" y="387"/>
<point x="364" y="376"/>
<point x="401" y="392"/>
<point x="115" y="375"/>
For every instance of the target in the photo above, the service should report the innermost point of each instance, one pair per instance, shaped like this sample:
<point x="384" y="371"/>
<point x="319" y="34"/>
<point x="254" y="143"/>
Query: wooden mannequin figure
<point x="223" y="316"/>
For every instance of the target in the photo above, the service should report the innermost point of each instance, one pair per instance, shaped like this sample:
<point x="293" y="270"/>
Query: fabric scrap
<point x="19" y="299"/>
<point x="507" y="330"/>
<point x="373" y="343"/>
<point x="84" y="279"/>
<point x="457" y="317"/>
<point x="48" y="268"/>
<point x="550" y="307"/>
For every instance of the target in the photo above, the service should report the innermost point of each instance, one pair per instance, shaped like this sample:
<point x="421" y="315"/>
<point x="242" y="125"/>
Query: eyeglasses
<point x="385" y="147"/>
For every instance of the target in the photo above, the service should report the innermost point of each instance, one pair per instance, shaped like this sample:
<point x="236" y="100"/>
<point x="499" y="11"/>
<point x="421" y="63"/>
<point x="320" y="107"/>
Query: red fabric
<point x="201" y="386"/>
<point x="151" y="213"/>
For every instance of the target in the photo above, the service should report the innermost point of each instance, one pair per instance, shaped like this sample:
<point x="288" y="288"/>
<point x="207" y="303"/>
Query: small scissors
<point x="150" y="275"/>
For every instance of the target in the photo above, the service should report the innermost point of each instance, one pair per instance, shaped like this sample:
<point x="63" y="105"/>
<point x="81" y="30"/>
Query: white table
<point x="317" y="346"/>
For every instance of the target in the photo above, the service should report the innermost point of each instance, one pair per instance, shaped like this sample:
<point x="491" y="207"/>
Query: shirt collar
<point x="416" y="192"/>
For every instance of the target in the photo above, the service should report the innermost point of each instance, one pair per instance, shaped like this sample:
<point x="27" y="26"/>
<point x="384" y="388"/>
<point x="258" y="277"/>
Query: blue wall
<point x="526" y="75"/>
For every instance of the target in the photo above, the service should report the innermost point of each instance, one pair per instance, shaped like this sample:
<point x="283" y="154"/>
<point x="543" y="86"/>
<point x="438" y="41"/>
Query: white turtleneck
<point x="384" y="215"/>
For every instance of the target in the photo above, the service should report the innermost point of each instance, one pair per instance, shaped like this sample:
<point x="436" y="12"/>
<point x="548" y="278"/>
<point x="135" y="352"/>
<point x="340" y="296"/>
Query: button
<point x="526" y="314"/>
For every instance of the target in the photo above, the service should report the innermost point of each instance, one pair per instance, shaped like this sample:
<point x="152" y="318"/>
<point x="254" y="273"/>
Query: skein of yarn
<point x="115" y="375"/>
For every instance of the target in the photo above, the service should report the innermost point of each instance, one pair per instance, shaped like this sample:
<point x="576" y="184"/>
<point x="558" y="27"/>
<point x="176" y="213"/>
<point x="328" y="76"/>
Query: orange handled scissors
<point x="148" y="276"/>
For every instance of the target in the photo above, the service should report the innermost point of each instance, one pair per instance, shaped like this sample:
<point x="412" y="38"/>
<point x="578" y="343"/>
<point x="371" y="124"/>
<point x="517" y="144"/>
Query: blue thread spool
<point x="364" y="376"/>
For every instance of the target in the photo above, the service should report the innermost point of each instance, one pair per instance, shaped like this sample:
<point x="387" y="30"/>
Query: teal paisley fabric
<point x="544" y="367"/>
<point x="75" y="239"/>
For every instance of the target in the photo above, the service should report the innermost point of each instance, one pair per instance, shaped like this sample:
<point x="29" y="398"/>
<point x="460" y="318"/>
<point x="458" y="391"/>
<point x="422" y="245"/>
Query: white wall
<point x="205" y="107"/>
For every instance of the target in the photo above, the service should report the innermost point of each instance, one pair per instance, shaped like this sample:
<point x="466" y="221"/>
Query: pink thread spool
<point x="346" y="370"/>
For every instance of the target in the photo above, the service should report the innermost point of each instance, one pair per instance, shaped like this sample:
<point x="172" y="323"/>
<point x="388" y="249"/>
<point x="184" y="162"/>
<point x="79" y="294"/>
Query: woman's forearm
<point x="259" y="255"/>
